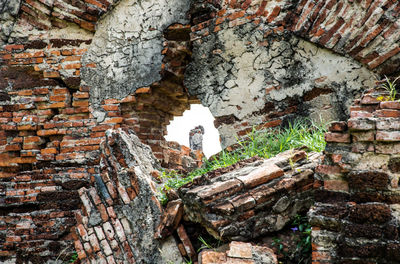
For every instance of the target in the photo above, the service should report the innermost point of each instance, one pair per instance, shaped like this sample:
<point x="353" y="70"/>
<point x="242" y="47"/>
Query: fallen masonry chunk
<point x="239" y="253"/>
<point x="259" y="197"/>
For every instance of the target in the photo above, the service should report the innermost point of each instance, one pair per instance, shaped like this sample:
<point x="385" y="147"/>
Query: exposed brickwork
<point x="244" y="203"/>
<point x="262" y="54"/>
<point x="355" y="217"/>
<point x="50" y="135"/>
<point x="366" y="30"/>
<point x="50" y="141"/>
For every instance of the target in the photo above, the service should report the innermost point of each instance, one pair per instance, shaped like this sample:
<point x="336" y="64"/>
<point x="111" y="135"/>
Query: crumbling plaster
<point x="127" y="47"/>
<point x="237" y="71"/>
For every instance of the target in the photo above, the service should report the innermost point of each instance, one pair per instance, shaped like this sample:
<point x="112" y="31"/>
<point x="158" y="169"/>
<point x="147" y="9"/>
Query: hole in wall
<point x="179" y="128"/>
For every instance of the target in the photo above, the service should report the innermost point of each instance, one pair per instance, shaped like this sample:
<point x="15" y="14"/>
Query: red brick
<point x="82" y="103"/>
<point x="27" y="127"/>
<point x="53" y="74"/>
<point x="361" y="124"/>
<point x="390" y="105"/>
<point x="338" y="126"/>
<point x="378" y="61"/>
<point x="103" y="212"/>
<point x="73" y="66"/>
<point x="186" y="241"/>
<point x="369" y="99"/>
<point x="143" y="90"/>
<point x="328" y="170"/>
<point x="123" y="194"/>
<point x="363" y="136"/>
<point x="209" y="256"/>
<point x="114" y="120"/>
<point x="275" y="12"/>
<point x="240" y="250"/>
<point x="111" y="212"/>
<point x="49" y="132"/>
<point x="108" y="231"/>
<point x="119" y="230"/>
<point x="389" y="136"/>
<point x="79" y="249"/>
<point x="106" y="247"/>
<point x="112" y="101"/>
<point x="261" y="175"/>
<point x="387" y="113"/>
<point x="94" y="242"/>
<point x="336" y="185"/>
<point x="321" y="255"/>
<point x="337" y="137"/>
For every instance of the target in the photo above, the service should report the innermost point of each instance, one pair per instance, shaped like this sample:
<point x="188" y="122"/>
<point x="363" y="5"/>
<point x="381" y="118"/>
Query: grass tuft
<point x="263" y="143"/>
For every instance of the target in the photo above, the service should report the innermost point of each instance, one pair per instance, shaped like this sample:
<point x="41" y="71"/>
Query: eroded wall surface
<point x="248" y="73"/>
<point x="68" y="73"/>
<point x="127" y="47"/>
<point x="356" y="214"/>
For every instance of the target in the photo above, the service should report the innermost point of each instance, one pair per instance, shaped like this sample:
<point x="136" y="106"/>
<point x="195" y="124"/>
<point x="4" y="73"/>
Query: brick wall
<point x="50" y="141"/>
<point x="355" y="219"/>
<point x="50" y="137"/>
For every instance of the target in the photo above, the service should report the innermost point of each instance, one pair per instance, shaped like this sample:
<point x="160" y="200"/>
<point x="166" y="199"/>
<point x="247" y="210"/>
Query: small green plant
<point x="278" y="244"/>
<point x="204" y="244"/>
<point x="302" y="225"/>
<point x="188" y="261"/>
<point x="263" y="143"/>
<point x="389" y="86"/>
<point x="73" y="258"/>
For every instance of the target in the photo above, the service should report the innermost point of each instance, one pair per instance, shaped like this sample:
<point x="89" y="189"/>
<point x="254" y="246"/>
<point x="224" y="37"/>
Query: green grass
<point x="263" y="143"/>
<point x="390" y="87"/>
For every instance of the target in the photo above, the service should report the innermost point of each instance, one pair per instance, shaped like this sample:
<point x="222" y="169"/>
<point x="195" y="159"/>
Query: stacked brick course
<point x="365" y="30"/>
<point x="355" y="219"/>
<point x="261" y="197"/>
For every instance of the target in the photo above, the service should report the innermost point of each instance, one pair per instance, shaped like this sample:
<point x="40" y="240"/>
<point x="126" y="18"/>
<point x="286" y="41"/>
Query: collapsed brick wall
<point x="121" y="212"/>
<point x="52" y="119"/>
<point x="50" y="137"/>
<point x="356" y="217"/>
<point x="252" y="198"/>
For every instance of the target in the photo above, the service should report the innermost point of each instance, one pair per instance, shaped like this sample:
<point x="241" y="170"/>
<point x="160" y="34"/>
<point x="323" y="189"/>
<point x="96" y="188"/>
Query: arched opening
<point x="178" y="130"/>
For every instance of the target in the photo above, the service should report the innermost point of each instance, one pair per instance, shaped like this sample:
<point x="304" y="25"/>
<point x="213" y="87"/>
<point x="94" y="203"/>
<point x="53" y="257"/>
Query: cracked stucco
<point x="233" y="70"/>
<point x="127" y="47"/>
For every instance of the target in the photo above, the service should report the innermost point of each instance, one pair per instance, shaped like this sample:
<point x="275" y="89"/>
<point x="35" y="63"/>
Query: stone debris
<point x="258" y="198"/>
<point x="239" y="253"/>
<point x="170" y="220"/>
<point x="71" y="70"/>
<point x="121" y="213"/>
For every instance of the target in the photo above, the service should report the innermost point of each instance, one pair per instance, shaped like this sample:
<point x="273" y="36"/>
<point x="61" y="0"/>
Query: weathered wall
<point x="249" y="73"/>
<point x="51" y="127"/>
<point x="120" y="214"/>
<point x="257" y="65"/>
<point x="356" y="217"/>
<point x="127" y="47"/>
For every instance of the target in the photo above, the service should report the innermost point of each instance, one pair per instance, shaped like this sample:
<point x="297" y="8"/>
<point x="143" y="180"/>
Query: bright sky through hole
<point x="178" y="129"/>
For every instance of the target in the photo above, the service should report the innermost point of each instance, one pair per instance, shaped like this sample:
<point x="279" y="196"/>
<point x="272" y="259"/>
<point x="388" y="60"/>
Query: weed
<point x="73" y="258"/>
<point x="302" y="225"/>
<point x="389" y="86"/>
<point x="278" y="244"/>
<point x="263" y="143"/>
<point x="204" y="244"/>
